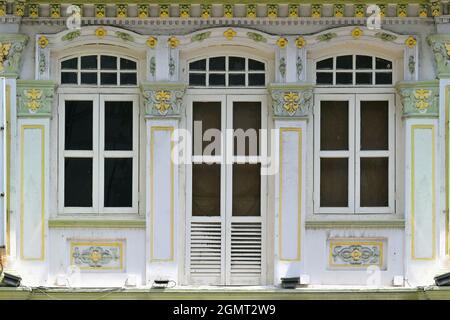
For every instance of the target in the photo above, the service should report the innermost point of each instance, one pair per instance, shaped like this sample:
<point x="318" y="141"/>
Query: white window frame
<point x="354" y="154"/>
<point x="98" y="154"/>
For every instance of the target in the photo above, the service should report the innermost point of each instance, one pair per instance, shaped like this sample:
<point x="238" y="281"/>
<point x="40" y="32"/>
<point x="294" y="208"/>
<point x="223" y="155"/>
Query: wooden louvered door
<point x="226" y="198"/>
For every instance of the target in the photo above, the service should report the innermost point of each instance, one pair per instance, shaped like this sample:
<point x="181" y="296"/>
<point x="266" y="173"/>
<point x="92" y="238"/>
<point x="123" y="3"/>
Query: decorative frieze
<point x="291" y="100"/>
<point x="19" y="8"/>
<point x="185" y="10"/>
<point x="419" y="99"/>
<point x="96" y="255"/>
<point x="33" y="10"/>
<point x="228" y="11"/>
<point x="206" y="10"/>
<point x="251" y="11"/>
<point x="402" y="10"/>
<point x="272" y="11"/>
<point x="360" y="10"/>
<point x="35" y="98"/>
<point x="293" y="10"/>
<point x="2" y="8"/>
<point x="122" y="10"/>
<point x="11" y="48"/>
<point x="55" y="10"/>
<point x="339" y="10"/>
<point x="440" y="44"/>
<point x="100" y="10"/>
<point x="164" y="10"/>
<point x="355" y="253"/>
<point x="163" y="99"/>
<point x="143" y="11"/>
<point x="316" y="10"/>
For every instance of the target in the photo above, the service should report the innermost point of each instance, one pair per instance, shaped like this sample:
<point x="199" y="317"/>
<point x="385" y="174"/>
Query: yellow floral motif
<point x="100" y="32"/>
<point x="356" y="254"/>
<point x="4" y="51"/>
<point x="300" y="42"/>
<point x="282" y="42"/>
<point x="356" y="33"/>
<point x="229" y="34"/>
<point x="411" y="42"/>
<point x="447" y="46"/>
<point x="33" y="95"/>
<point x="422" y="95"/>
<point x="42" y="42"/>
<point x="95" y="256"/>
<point x="152" y="42"/>
<point x="173" y="42"/>
<point x="162" y="101"/>
<point x="291" y="102"/>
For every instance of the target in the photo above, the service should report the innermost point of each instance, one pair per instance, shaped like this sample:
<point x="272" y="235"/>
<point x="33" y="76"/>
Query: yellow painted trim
<point x="433" y="191"/>
<point x="363" y="242"/>
<point x="280" y="195"/>
<point x="98" y="244"/>
<point x="22" y="131"/>
<point x="152" y="211"/>
<point x="8" y="168"/>
<point x="447" y="168"/>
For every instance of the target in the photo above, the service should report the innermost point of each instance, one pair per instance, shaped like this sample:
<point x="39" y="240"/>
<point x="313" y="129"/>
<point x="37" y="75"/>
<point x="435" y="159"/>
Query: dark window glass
<point x="69" y="78"/>
<point x="254" y="65"/>
<point x="246" y="190"/>
<point x="108" y="78"/>
<point x="108" y="62"/>
<point x="344" y="62"/>
<point x="256" y="79"/>
<point x="363" y="78"/>
<point x="128" y="78"/>
<point x="236" y="64"/>
<point x="383" y="64"/>
<point x="334" y="182"/>
<point x="206" y="190"/>
<point x="326" y="64"/>
<point x="324" y="78"/>
<point x="89" y="62"/>
<point x="236" y="79"/>
<point x="78" y="125"/>
<point x="217" y="64"/>
<point x="334" y="125"/>
<point x="199" y="65"/>
<point x="118" y="125"/>
<point x="78" y="182"/>
<point x="364" y="62"/>
<point x="383" y="78"/>
<point x="118" y="182"/>
<point x="216" y="79"/>
<point x="70" y="64"/>
<point x="344" y="78"/>
<point x="206" y="115"/>
<point x="89" y="78"/>
<point x="197" y="79"/>
<point x="126" y="64"/>
<point x="246" y="125"/>
<point x="374" y="125"/>
<point x="374" y="182"/>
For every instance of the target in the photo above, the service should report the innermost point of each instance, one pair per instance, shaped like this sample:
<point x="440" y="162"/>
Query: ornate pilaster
<point x="440" y="44"/>
<point x="419" y="99"/>
<point x="163" y="99"/>
<point x="35" y="98"/>
<point x="11" y="48"/>
<point x="291" y="100"/>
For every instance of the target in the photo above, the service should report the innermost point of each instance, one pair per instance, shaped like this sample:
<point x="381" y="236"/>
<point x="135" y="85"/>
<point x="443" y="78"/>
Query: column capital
<point x="291" y="100"/>
<point x="11" y="48"/>
<point x="163" y="99"/>
<point x="35" y="98"/>
<point x="419" y="99"/>
<point x="440" y="44"/>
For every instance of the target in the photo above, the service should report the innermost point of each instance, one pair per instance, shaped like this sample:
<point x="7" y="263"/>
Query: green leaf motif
<point x="327" y="36"/>
<point x="71" y="35"/>
<point x="256" y="37"/>
<point x="385" y="36"/>
<point x="124" y="36"/>
<point x="201" y="36"/>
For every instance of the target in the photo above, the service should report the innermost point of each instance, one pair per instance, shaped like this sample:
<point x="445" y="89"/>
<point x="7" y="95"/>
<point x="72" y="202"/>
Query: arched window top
<point x="227" y="71"/>
<point x="354" y="70"/>
<point x="98" y="70"/>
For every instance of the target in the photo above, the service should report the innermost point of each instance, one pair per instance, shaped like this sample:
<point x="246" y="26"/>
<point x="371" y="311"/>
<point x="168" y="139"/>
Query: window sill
<point x="97" y="223"/>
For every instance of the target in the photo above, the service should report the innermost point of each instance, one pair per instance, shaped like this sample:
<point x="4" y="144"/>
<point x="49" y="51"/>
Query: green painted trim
<point x="107" y="224"/>
<point x="417" y="84"/>
<point x="290" y="86"/>
<point x="163" y="85"/>
<point x="226" y="1"/>
<point x="355" y="224"/>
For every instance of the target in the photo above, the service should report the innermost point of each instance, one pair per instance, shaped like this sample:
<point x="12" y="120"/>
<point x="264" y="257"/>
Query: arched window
<point x="354" y="70"/>
<point x="99" y="70"/>
<point x="227" y="71"/>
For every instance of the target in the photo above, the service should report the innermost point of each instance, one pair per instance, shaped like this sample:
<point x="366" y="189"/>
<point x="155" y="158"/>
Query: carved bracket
<point x="291" y="100"/>
<point x="163" y="99"/>
<point x="419" y="99"/>
<point x="11" y="48"/>
<point x="35" y="98"/>
<point x="440" y="44"/>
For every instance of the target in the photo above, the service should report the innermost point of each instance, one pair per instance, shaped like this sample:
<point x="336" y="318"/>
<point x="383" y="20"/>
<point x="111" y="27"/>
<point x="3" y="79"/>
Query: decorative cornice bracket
<point x="419" y="99"/>
<point x="11" y="48"/>
<point x="440" y="44"/>
<point x="35" y="98"/>
<point x="163" y="99"/>
<point x="291" y="100"/>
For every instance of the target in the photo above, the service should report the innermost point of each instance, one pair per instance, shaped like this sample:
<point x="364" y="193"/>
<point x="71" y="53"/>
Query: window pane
<point x="255" y="65"/>
<point x="363" y="78"/>
<point x="89" y="78"/>
<point x="69" y="78"/>
<point x="383" y="64"/>
<point x="206" y="190"/>
<point x="70" y="64"/>
<point x="216" y="79"/>
<point x="89" y="62"/>
<point x="128" y="78"/>
<point x="246" y="190"/>
<point x="344" y="78"/>
<point x="236" y="79"/>
<point x="78" y="125"/>
<point x="344" y="62"/>
<point x="374" y="125"/>
<point x="126" y="64"/>
<point x="383" y="78"/>
<point x="364" y="62"/>
<point x="108" y="62"/>
<point x="236" y="64"/>
<point x="247" y="117"/>
<point x="324" y="78"/>
<point x="118" y="125"/>
<point x="118" y="182"/>
<point x="208" y="116"/>
<point x="199" y="65"/>
<point x="334" y="125"/>
<point x="326" y="64"/>
<point x="197" y="79"/>
<point x="334" y="182"/>
<point x="217" y="64"/>
<point x="108" y="78"/>
<point x="78" y="182"/>
<point x="256" y="79"/>
<point x="374" y="182"/>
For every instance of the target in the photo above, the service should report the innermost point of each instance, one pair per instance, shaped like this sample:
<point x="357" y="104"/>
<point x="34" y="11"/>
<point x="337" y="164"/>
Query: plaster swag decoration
<point x="35" y="97"/>
<point x="291" y="101"/>
<point x="420" y="98"/>
<point x="163" y="99"/>
<point x="440" y="44"/>
<point x="102" y="256"/>
<point x="11" y="48"/>
<point x="355" y="255"/>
